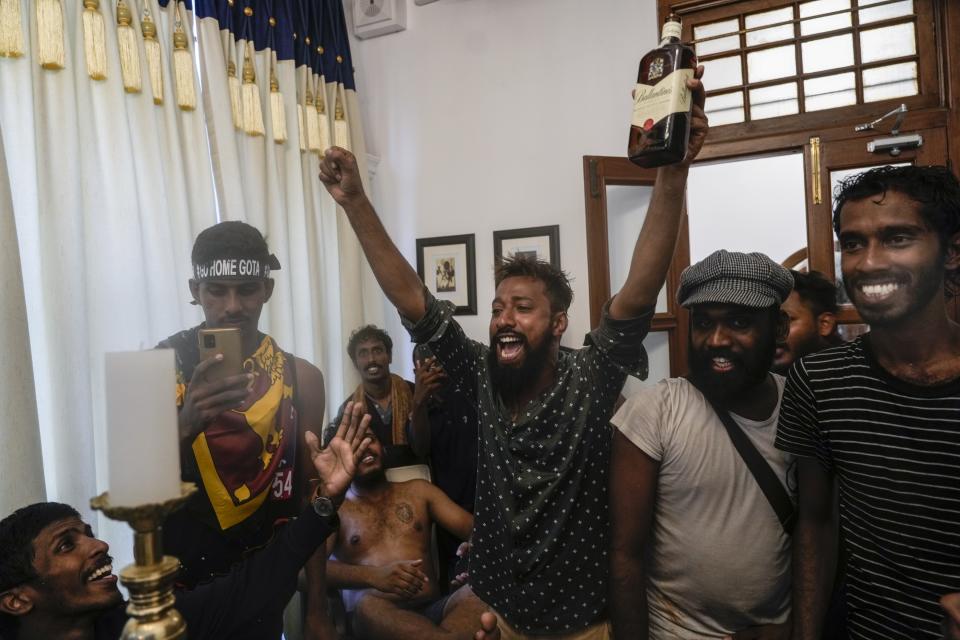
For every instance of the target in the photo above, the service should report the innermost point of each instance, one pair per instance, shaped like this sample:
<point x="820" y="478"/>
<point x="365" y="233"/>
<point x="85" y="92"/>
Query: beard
<point x="509" y="381"/>
<point x="749" y="370"/>
<point x="371" y="478"/>
<point x="917" y="289"/>
<point x="810" y="344"/>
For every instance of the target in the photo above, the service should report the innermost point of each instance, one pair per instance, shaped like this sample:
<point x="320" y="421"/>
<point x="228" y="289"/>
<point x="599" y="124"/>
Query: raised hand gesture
<point x="341" y="176"/>
<point x="336" y="463"/>
<point x="698" y="117"/>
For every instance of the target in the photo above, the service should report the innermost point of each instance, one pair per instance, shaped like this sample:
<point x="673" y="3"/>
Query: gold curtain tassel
<point x="341" y="130"/>
<point x="50" y="45"/>
<point x="323" y="121"/>
<point x="183" y="67"/>
<point x="11" y="29"/>
<point x="94" y="40"/>
<point x="250" y="95"/>
<point x="233" y="83"/>
<point x="277" y="114"/>
<point x="151" y="45"/>
<point x="129" y="53"/>
<point x="313" y="126"/>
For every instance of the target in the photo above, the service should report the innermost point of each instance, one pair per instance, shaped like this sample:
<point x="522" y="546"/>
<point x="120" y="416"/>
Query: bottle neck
<point x="671" y="32"/>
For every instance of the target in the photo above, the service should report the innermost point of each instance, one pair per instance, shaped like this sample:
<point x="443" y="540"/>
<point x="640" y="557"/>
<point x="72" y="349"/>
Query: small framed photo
<point x="536" y="242"/>
<point x="448" y="266"/>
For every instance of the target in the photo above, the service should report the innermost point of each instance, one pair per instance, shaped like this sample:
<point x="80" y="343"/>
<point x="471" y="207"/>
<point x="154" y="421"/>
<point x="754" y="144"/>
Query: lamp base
<point x="150" y="579"/>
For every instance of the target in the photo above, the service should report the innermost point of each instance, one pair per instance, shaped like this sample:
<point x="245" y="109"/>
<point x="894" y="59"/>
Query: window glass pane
<point x="772" y="63"/>
<point x="889" y="42"/>
<point x="827" y="53"/>
<point x="810" y="25"/>
<point x="770" y="102"/>
<point x="626" y="210"/>
<point x="830" y="91"/>
<point x="726" y="108"/>
<point x="724" y="72"/>
<point x="885" y="12"/>
<point x="720" y="44"/>
<point x="894" y="81"/>
<point x="773" y="34"/>
<point x="753" y="203"/>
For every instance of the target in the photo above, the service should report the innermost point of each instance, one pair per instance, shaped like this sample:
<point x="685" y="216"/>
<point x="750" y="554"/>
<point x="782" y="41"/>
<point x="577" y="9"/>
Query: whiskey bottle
<point x="660" y="128"/>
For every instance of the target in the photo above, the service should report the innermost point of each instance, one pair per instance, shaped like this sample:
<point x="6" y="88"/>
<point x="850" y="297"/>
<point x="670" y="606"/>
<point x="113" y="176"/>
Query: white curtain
<point x="109" y="190"/>
<point x="325" y="289"/>
<point x="20" y="456"/>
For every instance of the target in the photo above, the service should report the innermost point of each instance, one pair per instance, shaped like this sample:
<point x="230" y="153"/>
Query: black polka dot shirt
<point x="541" y="532"/>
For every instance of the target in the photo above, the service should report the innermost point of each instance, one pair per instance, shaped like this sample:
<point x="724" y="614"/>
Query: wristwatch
<point x="324" y="507"/>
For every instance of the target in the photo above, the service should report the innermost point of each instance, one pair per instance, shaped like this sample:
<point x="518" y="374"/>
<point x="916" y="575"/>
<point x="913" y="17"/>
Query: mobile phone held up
<point x="222" y="341"/>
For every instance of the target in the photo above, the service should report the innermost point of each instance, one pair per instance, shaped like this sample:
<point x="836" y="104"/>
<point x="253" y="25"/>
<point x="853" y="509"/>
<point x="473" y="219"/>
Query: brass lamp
<point x="150" y="578"/>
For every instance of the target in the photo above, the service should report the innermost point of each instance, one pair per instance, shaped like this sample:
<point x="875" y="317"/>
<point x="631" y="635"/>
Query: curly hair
<point x="816" y="291"/>
<point x="555" y="281"/>
<point x="934" y="188"/>
<point x="365" y="333"/>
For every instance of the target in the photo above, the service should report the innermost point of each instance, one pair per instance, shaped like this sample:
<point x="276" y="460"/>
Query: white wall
<point x="480" y="113"/>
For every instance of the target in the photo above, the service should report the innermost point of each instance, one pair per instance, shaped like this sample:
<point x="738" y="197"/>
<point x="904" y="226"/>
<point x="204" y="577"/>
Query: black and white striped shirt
<point x="895" y="449"/>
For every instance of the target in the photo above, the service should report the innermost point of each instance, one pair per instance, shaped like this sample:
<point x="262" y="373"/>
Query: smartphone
<point x="421" y="352"/>
<point x="226" y="342"/>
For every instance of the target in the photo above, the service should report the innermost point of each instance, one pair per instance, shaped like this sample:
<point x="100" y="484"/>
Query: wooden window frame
<point x="932" y="61"/>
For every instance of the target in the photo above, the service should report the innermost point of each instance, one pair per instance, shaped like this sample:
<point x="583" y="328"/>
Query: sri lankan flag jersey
<point x="243" y="463"/>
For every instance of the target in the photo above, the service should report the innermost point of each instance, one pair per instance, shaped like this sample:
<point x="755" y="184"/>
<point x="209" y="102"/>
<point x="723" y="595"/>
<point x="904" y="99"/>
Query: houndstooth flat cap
<point x="748" y="279"/>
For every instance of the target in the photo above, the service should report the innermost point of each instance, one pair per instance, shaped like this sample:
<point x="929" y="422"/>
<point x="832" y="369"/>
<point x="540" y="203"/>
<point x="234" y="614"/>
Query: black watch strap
<point x="327" y="510"/>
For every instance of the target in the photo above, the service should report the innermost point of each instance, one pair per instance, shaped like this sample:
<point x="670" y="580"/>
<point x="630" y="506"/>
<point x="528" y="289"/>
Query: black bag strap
<point x="765" y="476"/>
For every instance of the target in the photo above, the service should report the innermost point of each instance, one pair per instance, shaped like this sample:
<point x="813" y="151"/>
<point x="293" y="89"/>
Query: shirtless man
<point x="381" y="558"/>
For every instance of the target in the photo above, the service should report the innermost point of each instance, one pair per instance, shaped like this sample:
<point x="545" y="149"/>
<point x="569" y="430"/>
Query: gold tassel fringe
<point x="313" y="129"/>
<point x="11" y="29"/>
<point x="183" y="67"/>
<point x="151" y="44"/>
<point x="250" y="94"/>
<point x="50" y="46"/>
<point x="323" y="122"/>
<point x="94" y="40"/>
<point x="129" y="52"/>
<point x="341" y="132"/>
<point x="233" y="84"/>
<point x="302" y="130"/>
<point x="278" y="117"/>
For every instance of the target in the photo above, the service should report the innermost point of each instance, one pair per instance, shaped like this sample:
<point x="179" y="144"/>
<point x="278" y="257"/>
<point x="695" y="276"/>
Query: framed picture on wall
<point x="448" y="266"/>
<point x="538" y="242"/>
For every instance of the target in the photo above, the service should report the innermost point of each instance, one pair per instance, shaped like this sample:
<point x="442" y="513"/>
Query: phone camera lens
<point x="209" y="341"/>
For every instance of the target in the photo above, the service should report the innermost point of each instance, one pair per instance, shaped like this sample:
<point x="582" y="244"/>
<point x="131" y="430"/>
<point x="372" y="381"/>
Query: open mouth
<point x="374" y="369"/>
<point x="721" y="365"/>
<point x="102" y="574"/>
<point x="876" y="292"/>
<point x="509" y="347"/>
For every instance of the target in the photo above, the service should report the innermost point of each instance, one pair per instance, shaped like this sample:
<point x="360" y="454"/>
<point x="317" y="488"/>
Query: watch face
<point x="324" y="507"/>
<point x="372" y="8"/>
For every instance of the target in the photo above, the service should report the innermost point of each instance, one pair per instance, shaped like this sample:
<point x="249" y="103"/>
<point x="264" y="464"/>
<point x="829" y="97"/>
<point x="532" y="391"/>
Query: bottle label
<point x="671" y="29"/>
<point x="651" y="104"/>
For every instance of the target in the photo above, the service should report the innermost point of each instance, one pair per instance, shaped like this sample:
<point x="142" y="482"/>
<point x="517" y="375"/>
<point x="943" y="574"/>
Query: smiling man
<point x="242" y="436"/>
<point x="388" y="398"/>
<point x="57" y="580"/>
<point x="539" y="555"/>
<point x="688" y="514"/>
<point x="382" y="558"/>
<point x="877" y="421"/>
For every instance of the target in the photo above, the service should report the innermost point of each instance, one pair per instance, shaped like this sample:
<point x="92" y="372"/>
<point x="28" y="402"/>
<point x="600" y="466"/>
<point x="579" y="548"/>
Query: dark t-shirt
<point x="895" y="450"/>
<point x="454" y="430"/>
